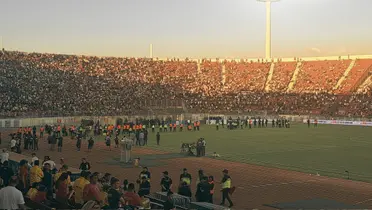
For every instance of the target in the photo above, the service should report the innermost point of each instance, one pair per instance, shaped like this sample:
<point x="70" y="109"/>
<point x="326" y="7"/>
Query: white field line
<point x="283" y="183"/>
<point x="365" y="201"/>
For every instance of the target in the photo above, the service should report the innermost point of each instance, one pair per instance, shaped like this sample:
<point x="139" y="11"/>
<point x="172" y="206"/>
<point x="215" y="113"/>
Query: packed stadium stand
<point x="245" y="76"/>
<point x="320" y="76"/>
<point x="282" y="76"/>
<point x="356" y="76"/>
<point x="40" y="84"/>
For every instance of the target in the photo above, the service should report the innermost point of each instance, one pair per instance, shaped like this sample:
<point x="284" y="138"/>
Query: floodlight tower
<point x="268" y="27"/>
<point x="151" y="51"/>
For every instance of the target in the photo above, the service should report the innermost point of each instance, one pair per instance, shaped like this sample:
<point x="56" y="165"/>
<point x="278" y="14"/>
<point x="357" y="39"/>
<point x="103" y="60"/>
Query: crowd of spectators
<point x="282" y="76"/>
<point x="44" y="184"/>
<point x="245" y="76"/>
<point x="361" y="67"/>
<point x="40" y="84"/>
<point x="320" y="76"/>
<point x="38" y="183"/>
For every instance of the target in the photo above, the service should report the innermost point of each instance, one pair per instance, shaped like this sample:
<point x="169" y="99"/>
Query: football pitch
<point x="329" y="150"/>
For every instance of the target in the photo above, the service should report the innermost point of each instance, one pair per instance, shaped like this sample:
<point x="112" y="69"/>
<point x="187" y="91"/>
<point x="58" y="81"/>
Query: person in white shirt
<point x="13" y="145"/>
<point x="50" y="162"/>
<point x="4" y="156"/>
<point x="33" y="159"/>
<point x="141" y="138"/>
<point x="11" y="197"/>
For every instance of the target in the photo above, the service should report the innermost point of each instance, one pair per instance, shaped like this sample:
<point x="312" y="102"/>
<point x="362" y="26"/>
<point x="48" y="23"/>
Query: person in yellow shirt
<point x="64" y="169"/>
<point x="36" y="174"/>
<point x="104" y="195"/>
<point x="226" y="187"/>
<point x="32" y="191"/>
<point x="79" y="185"/>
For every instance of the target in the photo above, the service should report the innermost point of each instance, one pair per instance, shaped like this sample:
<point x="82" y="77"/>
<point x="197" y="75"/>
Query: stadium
<point x="289" y="133"/>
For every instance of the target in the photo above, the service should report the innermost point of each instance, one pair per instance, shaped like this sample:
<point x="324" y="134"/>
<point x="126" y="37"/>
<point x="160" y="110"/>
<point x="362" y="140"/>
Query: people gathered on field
<point x="41" y="84"/>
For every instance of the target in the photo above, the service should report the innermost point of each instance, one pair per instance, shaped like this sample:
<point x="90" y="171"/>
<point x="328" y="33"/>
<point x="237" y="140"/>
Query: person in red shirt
<point x="62" y="191"/>
<point x="131" y="197"/>
<point x="40" y="195"/>
<point x="91" y="191"/>
<point x="41" y="132"/>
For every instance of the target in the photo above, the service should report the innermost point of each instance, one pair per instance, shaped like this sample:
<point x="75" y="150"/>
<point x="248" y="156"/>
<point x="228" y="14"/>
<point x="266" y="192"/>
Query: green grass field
<point x="329" y="150"/>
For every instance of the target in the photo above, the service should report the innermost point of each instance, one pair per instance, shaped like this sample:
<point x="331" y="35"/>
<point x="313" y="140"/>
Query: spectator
<point x="6" y="173"/>
<point x="50" y="162"/>
<point x="145" y="173"/>
<point x="115" y="198"/>
<point x="62" y="188"/>
<point x="211" y="187"/>
<point x="47" y="180"/>
<point x="90" y="144"/>
<point x="33" y="158"/>
<point x="184" y="189"/>
<point x="91" y="190"/>
<point x="106" y="179"/>
<point x="23" y="175"/>
<point x="144" y="186"/>
<point x="104" y="196"/>
<point x="131" y="197"/>
<point x="226" y="186"/>
<point x="124" y="187"/>
<point x="203" y="191"/>
<point x="13" y="144"/>
<point x="145" y="202"/>
<point x="166" y="182"/>
<point x="84" y="165"/>
<point x="169" y="203"/>
<point x="41" y="194"/>
<point x="11" y="197"/>
<point x="64" y="169"/>
<point x="31" y="193"/>
<point x="185" y="177"/>
<point x="4" y="156"/>
<point x="79" y="186"/>
<point x="36" y="174"/>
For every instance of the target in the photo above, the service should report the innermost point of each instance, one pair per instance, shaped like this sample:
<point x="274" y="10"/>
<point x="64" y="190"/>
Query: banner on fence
<point x="341" y="122"/>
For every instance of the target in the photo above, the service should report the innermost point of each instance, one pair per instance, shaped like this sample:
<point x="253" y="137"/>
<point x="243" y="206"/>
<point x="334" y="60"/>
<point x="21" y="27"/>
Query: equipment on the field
<point x="182" y="202"/>
<point x="188" y="148"/>
<point x="126" y="150"/>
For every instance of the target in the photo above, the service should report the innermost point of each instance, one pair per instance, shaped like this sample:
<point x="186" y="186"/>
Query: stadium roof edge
<point x="343" y="57"/>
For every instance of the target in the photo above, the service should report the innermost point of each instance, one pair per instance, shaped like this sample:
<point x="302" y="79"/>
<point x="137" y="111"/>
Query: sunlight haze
<point x="192" y="28"/>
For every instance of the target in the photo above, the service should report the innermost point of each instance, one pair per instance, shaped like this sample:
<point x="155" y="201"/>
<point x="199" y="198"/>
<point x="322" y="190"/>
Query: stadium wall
<point x="25" y="122"/>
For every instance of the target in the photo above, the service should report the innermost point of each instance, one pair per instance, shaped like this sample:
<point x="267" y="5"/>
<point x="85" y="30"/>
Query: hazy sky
<point x="187" y="28"/>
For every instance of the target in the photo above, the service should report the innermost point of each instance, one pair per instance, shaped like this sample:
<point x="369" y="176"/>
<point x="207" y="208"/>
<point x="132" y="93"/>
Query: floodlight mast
<point x="268" y="27"/>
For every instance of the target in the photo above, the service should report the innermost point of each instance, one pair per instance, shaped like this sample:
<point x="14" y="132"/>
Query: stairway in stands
<point x="346" y="73"/>
<point x="364" y="86"/>
<point x="269" y="77"/>
<point x="294" y="77"/>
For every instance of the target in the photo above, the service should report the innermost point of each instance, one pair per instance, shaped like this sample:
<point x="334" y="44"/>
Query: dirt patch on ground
<point x="136" y="150"/>
<point x="256" y="185"/>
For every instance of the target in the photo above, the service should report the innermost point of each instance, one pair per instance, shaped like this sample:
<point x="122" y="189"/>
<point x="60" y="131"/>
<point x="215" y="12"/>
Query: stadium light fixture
<point x="268" y="27"/>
